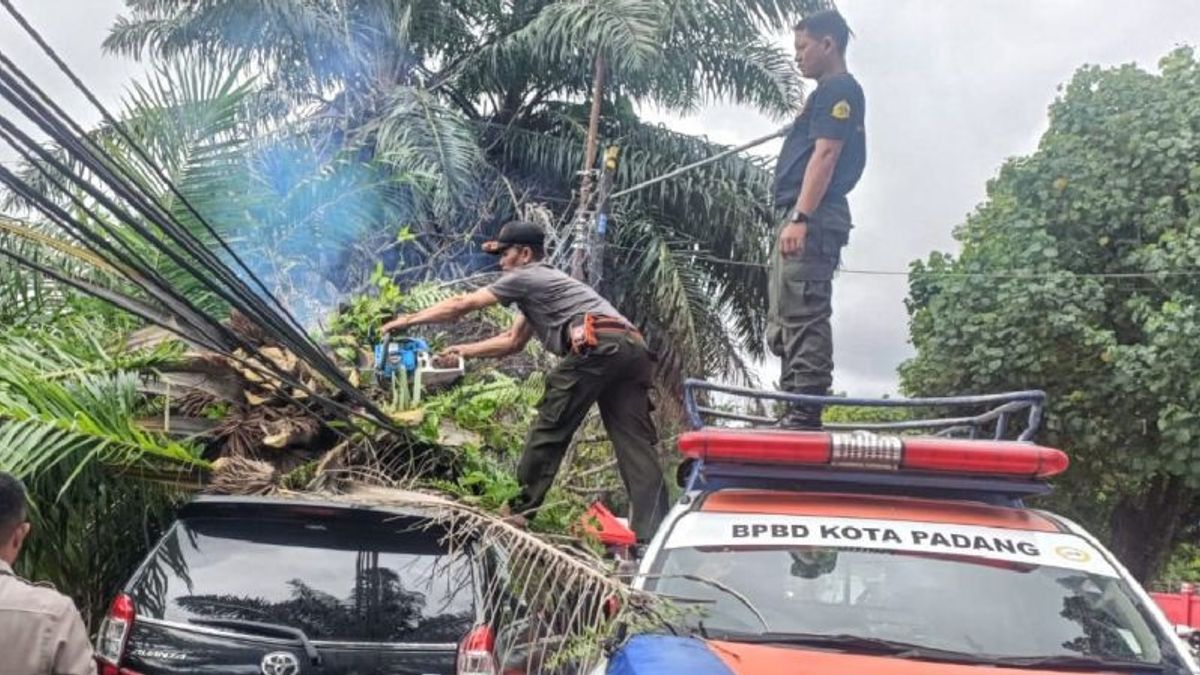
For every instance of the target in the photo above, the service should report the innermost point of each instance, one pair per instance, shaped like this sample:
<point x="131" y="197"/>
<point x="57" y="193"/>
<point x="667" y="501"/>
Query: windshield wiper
<point x="856" y="643"/>
<point x="1071" y="662"/>
<point x="310" y="650"/>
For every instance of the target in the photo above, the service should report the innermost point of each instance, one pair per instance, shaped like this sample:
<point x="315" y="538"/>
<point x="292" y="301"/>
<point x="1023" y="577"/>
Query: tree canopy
<point x="1080" y="275"/>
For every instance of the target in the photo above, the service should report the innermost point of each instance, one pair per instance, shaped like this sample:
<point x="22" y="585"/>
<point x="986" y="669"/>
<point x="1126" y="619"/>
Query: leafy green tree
<point x="1081" y="275"/>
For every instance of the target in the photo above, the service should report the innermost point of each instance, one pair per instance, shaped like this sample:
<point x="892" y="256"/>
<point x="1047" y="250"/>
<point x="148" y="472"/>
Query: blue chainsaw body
<point x="392" y="356"/>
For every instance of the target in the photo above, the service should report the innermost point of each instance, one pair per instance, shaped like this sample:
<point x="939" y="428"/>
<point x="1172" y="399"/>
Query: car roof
<point x="295" y="506"/>
<point x="953" y="512"/>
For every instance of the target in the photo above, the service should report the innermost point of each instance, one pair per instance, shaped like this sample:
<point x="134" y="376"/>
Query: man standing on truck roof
<point x="604" y="360"/>
<point x="40" y="629"/>
<point x="821" y="161"/>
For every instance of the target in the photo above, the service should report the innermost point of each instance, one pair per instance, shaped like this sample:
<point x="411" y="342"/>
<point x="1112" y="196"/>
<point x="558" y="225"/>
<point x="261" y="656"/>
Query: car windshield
<point x="385" y="582"/>
<point x="973" y="605"/>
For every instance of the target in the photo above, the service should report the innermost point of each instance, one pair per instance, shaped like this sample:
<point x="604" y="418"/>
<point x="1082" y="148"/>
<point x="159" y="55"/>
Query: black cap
<point x="516" y="233"/>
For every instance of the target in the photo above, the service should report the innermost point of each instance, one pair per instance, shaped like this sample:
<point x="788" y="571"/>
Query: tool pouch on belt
<point x="583" y="335"/>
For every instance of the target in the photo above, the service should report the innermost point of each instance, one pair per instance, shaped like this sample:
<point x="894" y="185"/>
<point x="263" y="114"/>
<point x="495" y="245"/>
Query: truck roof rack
<point x="734" y="450"/>
<point x="995" y="416"/>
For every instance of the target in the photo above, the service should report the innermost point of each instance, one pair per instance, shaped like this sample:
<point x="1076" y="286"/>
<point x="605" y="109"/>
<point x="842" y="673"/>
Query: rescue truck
<point x="901" y="547"/>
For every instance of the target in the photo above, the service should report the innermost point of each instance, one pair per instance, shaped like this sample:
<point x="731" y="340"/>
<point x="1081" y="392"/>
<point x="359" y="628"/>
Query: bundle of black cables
<point x="112" y="206"/>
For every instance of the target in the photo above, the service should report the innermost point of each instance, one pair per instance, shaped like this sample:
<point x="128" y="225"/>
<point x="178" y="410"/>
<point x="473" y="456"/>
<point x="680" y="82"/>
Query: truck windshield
<point x="994" y="609"/>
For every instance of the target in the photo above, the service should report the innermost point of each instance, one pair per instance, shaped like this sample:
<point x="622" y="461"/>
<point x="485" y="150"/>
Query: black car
<point x="271" y="586"/>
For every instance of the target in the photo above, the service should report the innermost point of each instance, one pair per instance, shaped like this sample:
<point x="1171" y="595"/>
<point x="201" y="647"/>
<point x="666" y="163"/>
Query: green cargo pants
<point x="801" y="302"/>
<point x="616" y="374"/>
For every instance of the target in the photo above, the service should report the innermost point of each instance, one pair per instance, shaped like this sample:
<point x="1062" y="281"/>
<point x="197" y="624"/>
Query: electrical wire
<point x="697" y="164"/>
<point x="1006" y="274"/>
<point x="126" y="197"/>
<point x="138" y="150"/>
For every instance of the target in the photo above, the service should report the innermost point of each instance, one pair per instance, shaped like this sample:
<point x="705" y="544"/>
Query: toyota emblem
<point x="280" y="663"/>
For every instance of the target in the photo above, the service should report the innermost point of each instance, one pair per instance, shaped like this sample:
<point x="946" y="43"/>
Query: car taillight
<point x="114" y="632"/>
<point x="867" y="451"/>
<point x="476" y="653"/>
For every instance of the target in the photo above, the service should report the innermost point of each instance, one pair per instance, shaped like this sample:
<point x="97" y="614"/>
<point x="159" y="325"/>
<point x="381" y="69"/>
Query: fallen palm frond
<point x="243" y="476"/>
<point x="569" y="602"/>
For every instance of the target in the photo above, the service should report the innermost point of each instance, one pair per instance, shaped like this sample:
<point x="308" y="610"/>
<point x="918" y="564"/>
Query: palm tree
<point x="481" y="104"/>
<point x="70" y="401"/>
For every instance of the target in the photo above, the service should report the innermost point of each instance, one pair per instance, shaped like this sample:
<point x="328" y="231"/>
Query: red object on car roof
<point x="599" y="522"/>
<point x="1013" y="459"/>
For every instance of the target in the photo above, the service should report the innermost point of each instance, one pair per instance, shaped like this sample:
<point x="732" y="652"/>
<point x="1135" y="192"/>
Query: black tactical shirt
<point x="835" y="110"/>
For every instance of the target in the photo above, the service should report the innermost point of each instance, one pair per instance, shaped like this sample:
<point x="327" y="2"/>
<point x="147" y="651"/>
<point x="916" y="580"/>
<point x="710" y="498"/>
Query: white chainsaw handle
<point x="425" y="363"/>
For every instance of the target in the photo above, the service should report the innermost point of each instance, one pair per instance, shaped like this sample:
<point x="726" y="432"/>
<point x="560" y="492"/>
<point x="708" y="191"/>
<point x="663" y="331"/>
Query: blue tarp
<point x="663" y="654"/>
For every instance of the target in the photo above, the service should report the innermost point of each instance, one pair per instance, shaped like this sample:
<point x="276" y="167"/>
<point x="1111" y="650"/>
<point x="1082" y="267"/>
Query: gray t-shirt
<point x="549" y="299"/>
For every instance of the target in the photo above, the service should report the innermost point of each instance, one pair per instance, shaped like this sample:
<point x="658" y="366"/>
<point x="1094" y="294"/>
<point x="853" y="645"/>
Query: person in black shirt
<point x="820" y="163"/>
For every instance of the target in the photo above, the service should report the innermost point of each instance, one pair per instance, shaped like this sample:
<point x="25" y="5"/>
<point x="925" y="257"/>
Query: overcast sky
<point x="954" y="87"/>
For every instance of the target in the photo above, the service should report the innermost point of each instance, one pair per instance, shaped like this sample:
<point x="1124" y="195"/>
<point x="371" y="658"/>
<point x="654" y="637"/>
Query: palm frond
<point x="49" y="422"/>
<point x="567" y="602"/>
<point x="753" y="72"/>
<point x="422" y="138"/>
<point x="627" y="32"/>
<point x="35" y="235"/>
<point x="25" y="294"/>
<point x="69" y="399"/>
<point x="662" y="285"/>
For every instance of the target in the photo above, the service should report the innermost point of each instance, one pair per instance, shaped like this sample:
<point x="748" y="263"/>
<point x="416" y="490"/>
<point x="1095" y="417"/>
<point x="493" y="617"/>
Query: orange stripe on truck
<point x="745" y="659"/>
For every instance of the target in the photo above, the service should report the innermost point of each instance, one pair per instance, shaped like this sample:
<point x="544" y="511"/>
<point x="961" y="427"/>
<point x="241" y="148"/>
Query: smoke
<point x="314" y="226"/>
<point x="299" y="214"/>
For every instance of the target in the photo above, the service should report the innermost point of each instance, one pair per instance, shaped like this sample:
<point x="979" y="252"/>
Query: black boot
<point x="802" y="416"/>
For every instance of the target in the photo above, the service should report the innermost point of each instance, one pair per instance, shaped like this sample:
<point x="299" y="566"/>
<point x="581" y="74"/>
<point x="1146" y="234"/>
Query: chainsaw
<point x="403" y="360"/>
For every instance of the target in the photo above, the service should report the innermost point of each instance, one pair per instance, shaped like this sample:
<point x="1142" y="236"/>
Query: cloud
<point x="75" y="30"/>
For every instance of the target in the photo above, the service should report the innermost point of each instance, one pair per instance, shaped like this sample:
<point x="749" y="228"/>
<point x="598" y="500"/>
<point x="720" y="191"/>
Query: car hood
<point x="655" y="654"/>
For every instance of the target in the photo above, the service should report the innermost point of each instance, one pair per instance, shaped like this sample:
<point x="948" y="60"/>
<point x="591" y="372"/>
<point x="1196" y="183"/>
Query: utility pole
<point x="583" y="233"/>
<point x="612" y="159"/>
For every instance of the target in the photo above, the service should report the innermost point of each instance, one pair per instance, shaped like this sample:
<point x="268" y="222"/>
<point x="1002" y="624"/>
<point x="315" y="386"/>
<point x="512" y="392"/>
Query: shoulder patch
<point x="841" y="110"/>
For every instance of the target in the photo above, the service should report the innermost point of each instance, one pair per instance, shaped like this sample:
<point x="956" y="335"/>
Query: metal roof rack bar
<point x="1000" y="409"/>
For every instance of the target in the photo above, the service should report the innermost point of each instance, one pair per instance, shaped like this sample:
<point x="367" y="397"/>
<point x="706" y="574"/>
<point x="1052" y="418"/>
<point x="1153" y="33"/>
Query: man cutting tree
<point x="821" y="161"/>
<point x="604" y="361"/>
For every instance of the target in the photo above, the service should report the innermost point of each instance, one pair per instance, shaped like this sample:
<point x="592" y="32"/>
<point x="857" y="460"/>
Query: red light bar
<point x="870" y="451"/>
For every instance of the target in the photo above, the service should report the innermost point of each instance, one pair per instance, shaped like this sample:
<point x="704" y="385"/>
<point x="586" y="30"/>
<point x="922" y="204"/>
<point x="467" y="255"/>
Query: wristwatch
<point x="797" y="216"/>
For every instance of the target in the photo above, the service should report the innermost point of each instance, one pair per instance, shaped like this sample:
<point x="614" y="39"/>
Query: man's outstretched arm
<point x="510" y="341"/>
<point x="446" y="311"/>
